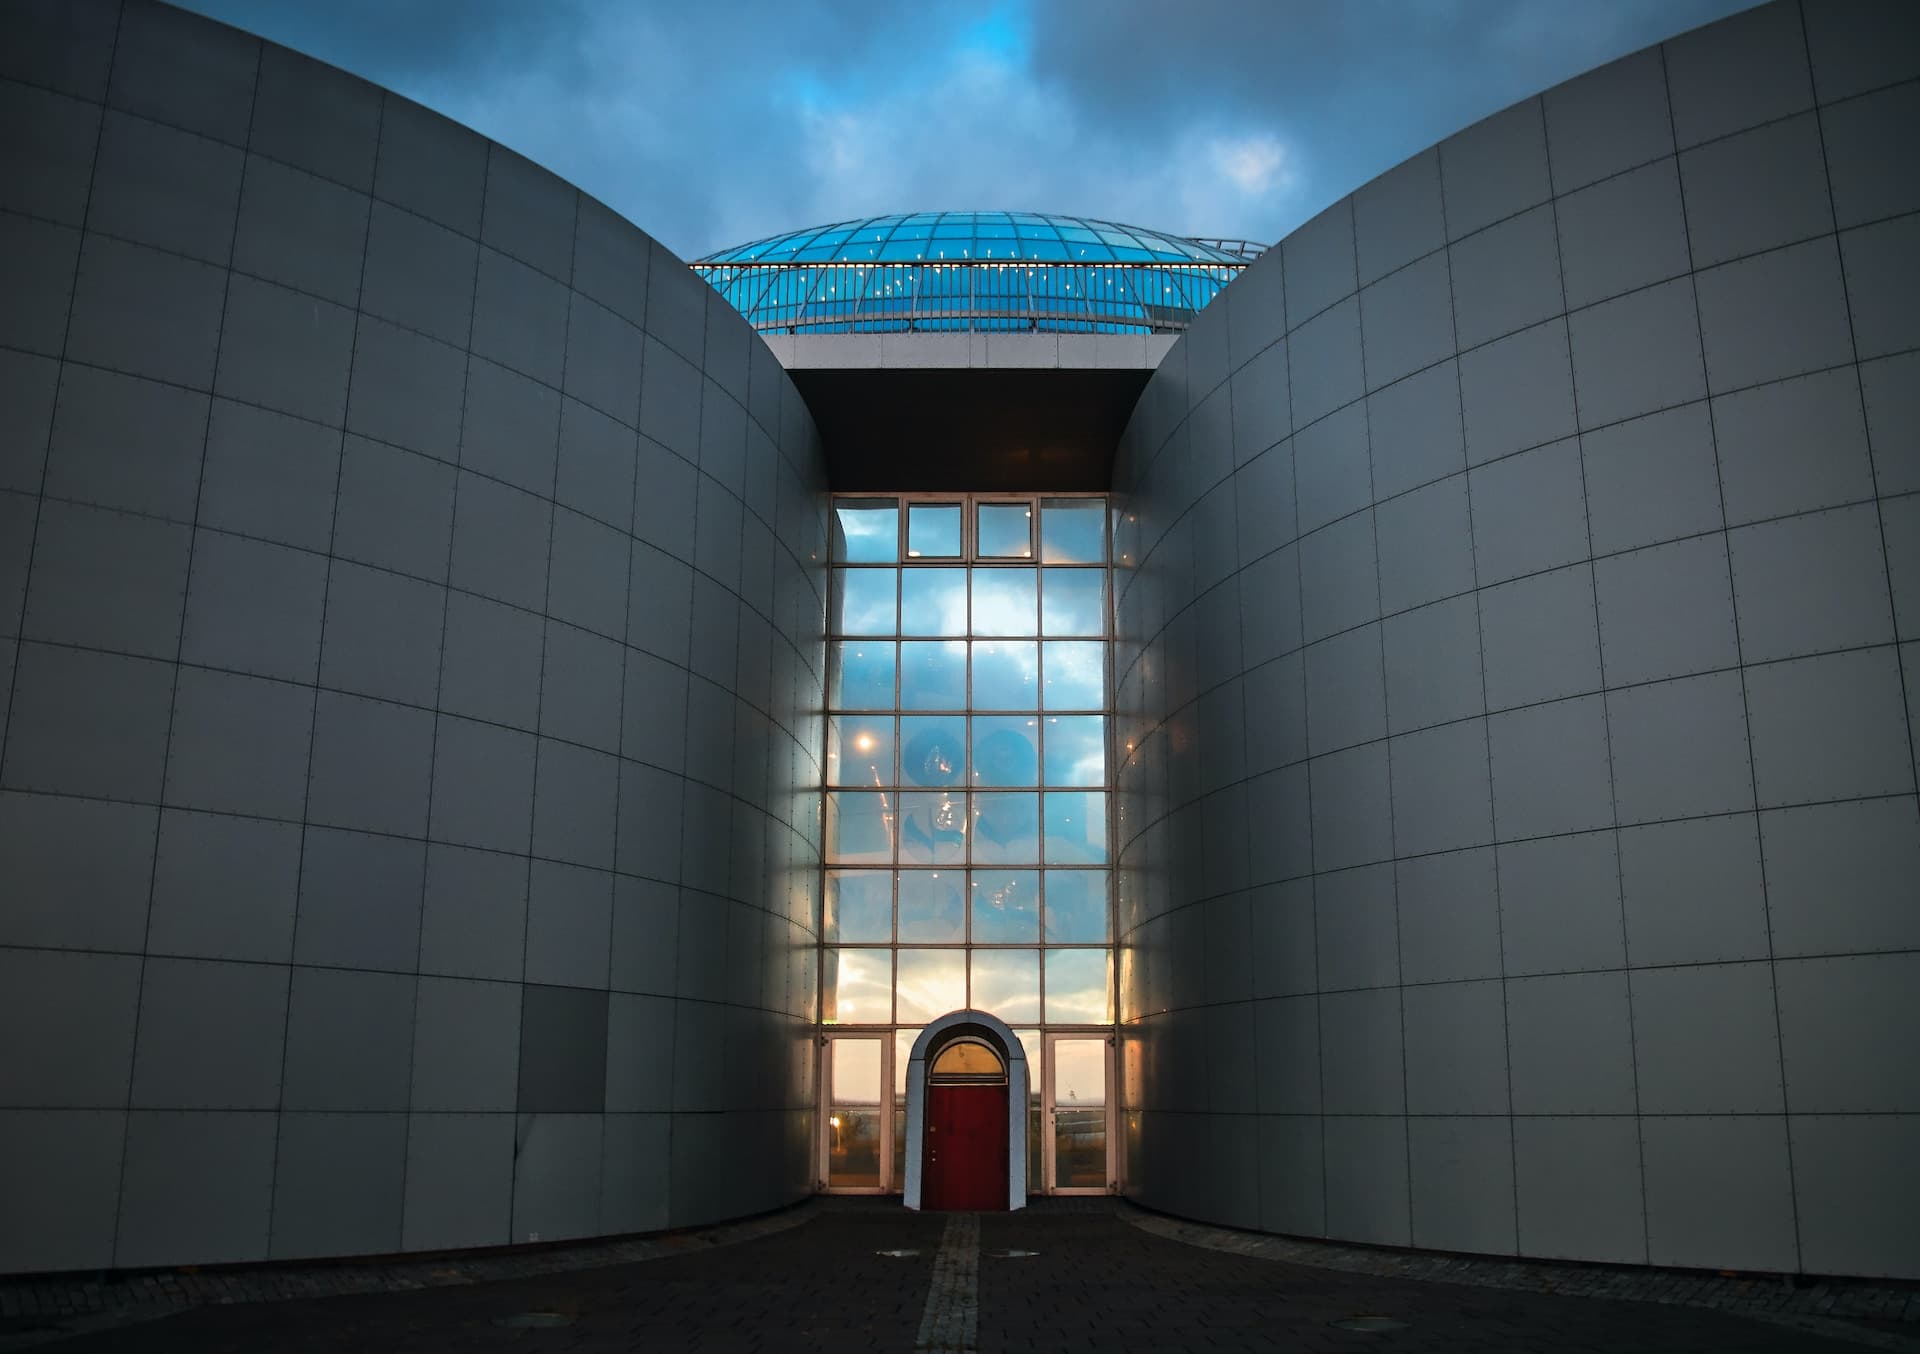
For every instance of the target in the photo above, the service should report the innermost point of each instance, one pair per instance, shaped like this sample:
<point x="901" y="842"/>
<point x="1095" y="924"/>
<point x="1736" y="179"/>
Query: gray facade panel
<point x="1639" y="820"/>
<point x="425" y="342"/>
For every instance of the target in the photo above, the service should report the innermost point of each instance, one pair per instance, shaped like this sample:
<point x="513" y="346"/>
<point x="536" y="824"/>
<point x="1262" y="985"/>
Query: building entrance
<point x="965" y="1144"/>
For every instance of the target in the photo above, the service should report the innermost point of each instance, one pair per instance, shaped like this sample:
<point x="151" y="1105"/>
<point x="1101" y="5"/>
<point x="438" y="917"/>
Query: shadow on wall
<point x="1519" y="653"/>
<point x="410" y="634"/>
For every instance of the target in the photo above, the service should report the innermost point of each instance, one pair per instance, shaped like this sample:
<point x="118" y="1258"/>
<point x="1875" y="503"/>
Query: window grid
<point x="899" y="949"/>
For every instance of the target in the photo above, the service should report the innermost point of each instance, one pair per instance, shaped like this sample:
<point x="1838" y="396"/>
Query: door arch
<point x="980" y="1027"/>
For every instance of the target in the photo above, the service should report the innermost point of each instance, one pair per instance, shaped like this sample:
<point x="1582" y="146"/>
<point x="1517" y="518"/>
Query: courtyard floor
<point x="865" y="1274"/>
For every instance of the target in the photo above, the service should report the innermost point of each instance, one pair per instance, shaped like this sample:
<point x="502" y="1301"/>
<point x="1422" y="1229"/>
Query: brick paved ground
<point x="1097" y="1282"/>
<point x="1100" y="1284"/>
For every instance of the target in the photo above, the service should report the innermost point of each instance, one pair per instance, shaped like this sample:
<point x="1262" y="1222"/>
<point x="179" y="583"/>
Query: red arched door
<point x="965" y="1143"/>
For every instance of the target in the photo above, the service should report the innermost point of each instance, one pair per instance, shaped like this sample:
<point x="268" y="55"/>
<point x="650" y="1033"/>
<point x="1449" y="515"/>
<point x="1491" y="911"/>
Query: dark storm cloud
<point x="683" y="117"/>
<point x="412" y="35"/>
<point x="711" y="125"/>
<point x="1354" y="86"/>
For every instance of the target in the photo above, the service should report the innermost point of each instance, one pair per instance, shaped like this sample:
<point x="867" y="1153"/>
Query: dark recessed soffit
<point x="969" y="429"/>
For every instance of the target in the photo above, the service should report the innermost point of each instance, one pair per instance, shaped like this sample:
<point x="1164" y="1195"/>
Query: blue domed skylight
<point x="945" y="271"/>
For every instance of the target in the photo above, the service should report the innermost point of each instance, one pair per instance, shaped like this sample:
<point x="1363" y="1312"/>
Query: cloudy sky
<point x="714" y="124"/>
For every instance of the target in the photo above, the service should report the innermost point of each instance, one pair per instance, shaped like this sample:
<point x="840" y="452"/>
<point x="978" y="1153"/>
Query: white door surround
<point x="947" y="1028"/>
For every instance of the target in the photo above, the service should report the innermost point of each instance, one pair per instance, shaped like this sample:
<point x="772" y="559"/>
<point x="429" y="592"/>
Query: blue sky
<point x="711" y="125"/>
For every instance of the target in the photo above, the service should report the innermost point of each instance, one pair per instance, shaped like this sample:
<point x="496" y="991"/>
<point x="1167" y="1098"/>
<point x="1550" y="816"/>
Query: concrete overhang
<point x="984" y="412"/>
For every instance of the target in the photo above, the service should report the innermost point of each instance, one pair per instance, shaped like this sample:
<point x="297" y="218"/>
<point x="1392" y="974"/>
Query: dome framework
<point x="936" y="272"/>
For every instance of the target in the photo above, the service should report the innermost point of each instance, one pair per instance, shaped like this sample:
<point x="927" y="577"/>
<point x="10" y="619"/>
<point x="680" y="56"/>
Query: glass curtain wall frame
<point x="969" y="775"/>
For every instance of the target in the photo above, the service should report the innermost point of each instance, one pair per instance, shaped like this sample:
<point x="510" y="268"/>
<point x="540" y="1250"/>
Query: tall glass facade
<point x="967" y="768"/>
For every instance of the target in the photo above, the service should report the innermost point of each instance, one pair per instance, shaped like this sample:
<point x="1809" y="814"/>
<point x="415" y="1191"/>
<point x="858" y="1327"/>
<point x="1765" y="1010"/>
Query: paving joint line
<point x="951" y="1323"/>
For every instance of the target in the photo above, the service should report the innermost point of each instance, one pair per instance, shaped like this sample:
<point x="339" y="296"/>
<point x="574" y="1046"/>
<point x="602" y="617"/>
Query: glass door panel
<point x="902" y="1057"/>
<point x="1077" y="1098"/>
<point x="1030" y="1045"/>
<point x="856" y="1129"/>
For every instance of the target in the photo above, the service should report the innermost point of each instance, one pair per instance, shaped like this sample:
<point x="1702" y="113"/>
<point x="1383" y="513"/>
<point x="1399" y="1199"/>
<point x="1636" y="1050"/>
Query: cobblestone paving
<point x="35" y="1310"/>
<point x="1096" y="1286"/>
<point x="1890" y="1304"/>
<point x="814" y="1287"/>
<point x="814" y="1279"/>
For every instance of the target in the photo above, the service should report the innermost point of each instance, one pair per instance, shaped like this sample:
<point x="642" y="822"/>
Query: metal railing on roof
<point x="1246" y="249"/>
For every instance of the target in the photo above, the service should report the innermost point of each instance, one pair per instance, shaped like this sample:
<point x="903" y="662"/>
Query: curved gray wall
<point x="410" y="631"/>
<point x="1519" y="653"/>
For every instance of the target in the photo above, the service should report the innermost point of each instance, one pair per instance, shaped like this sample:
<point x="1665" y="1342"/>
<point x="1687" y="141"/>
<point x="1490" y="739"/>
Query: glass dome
<point x="947" y="271"/>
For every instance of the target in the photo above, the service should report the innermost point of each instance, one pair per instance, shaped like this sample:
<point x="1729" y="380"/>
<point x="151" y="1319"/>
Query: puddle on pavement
<point x="534" y="1320"/>
<point x="1368" y="1323"/>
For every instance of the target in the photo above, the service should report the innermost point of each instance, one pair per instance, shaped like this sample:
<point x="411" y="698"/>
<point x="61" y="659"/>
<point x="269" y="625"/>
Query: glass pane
<point x="1006" y="674"/>
<point x="1006" y="829"/>
<point x="933" y="675"/>
<point x="855" y="1076"/>
<point x="863" y="602"/>
<point x="860" y="750"/>
<point x="933" y="529"/>
<point x="1073" y="530"/>
<point x="859" y="828"/>
<point x="1004" y="751"/>
<point x="1003" y="602"/>
<point x="1030" y="1044"/>
<point x="1076" y="674"/>
<point x="1004" y="531"/>
<point x="902" y="1055"/>
<point x="1079" y="1073"/>
<point x="1006" y="983"/>
<point x="1006" y="907"/>
<point x="1079" y="987"/>
<point x="933" y="602"/>
<point x="859" y="907"/>
<point x="1079" y="1113"/>
<point x="1076" y="750"/>
<point x="1077" y="907"/>
<point x="932" y="983"/>
<point x="853" y="1148"/>
<point x="1071" y="601"/>
<point x="1076" y="823"/>
<point x="933" y="750"/>
<point x="856" y="987"/>
<point x="862" y="676"/>
<point x="866" y="531"/>
<point x="933" y="828"/>
<point x="933" y="908"/>
<point x="966" y="1058"/>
